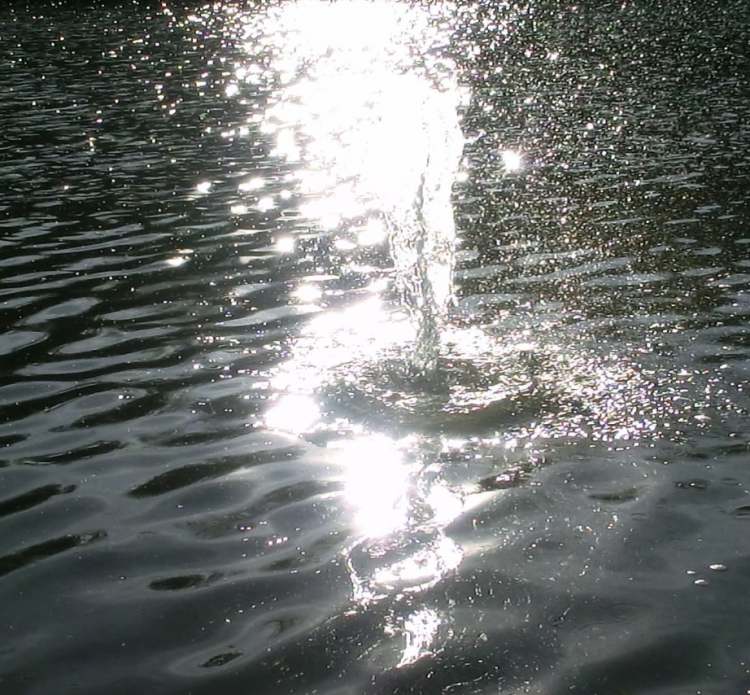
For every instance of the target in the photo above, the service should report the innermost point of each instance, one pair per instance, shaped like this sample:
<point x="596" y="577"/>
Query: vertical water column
<point x="422" y="233"/>
<point x="366" y="111"/>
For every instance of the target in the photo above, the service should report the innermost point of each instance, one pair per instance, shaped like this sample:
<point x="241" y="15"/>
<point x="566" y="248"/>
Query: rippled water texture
<point x="374" y="347"/>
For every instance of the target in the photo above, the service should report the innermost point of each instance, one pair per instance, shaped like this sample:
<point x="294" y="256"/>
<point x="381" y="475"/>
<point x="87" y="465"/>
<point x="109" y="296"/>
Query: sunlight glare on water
<point x="377" y="480"/>
<point x="371" y="131"/>
<point x="293" y="413"/>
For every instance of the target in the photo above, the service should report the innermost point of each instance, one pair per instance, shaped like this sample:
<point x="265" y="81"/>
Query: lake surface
<point x="248" y="445"/>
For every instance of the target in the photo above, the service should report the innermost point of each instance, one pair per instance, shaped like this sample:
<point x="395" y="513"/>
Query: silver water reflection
<point x="367" y="117"/>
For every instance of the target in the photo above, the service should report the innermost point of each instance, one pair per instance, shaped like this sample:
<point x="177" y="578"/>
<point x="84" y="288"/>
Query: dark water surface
<point x="215" y="476"/>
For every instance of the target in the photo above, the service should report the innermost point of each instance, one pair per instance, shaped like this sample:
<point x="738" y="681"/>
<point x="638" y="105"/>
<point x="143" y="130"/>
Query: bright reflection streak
<point x="265" y="204"/>
<point x="395" y="552"/>
<point x="251" y="185"/>
<point x="293" y="413"/>
<point x="308" y="293"/>
<point x="420" y="630"/>
<point x="365" y="114"/>
<point x="376" y="484"/>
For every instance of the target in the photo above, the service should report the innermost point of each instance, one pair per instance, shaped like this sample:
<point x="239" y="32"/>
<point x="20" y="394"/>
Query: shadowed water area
<point x="375" y="347"/>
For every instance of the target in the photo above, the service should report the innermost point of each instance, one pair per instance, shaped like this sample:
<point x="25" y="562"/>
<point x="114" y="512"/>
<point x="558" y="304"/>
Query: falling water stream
<point x="369" y="121"/>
